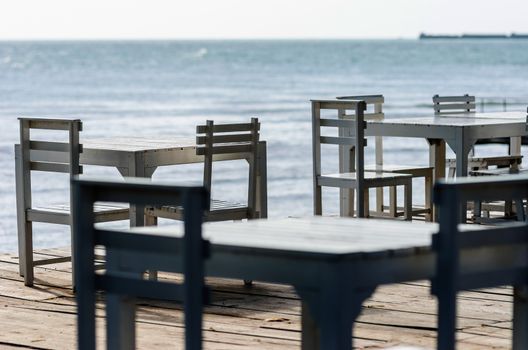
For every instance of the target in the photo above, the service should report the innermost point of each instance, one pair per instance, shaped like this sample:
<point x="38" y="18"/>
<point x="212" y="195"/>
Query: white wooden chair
<point x="240" y="142"/>
<point x="46" y="156"/>
<point x="425" y="172"/>
<point x="449" y="105"/>
<point x="350" y="135"/>
<point x="128" y="254"/>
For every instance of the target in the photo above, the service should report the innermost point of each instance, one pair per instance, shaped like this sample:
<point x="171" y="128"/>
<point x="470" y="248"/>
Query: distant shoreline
<point x="473" y="36"/>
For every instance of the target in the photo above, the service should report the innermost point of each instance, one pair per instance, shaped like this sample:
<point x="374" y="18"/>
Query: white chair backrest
<point x="350" y="132"/>
<point x="47" y="156"/>
<point x="239" y="141"/>
<point x="453" y="104"/>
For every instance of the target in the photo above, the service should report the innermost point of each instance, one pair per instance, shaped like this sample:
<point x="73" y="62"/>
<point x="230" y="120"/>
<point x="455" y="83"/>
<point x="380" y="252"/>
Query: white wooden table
<point x="334" y="263"/>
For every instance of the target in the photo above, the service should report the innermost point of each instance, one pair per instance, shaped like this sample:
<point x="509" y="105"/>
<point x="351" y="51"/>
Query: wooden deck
<point x="264" y="316"/>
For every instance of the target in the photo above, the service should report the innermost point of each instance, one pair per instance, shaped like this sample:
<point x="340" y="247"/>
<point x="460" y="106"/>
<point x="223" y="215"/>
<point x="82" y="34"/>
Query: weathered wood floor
<point x="264" y="316"/>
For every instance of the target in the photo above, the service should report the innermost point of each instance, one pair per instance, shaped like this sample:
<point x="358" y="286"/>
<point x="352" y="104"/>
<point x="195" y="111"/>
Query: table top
<point x="324" y="237"/>
<point x="462" y="119"/>
<point x="139" y="144"/>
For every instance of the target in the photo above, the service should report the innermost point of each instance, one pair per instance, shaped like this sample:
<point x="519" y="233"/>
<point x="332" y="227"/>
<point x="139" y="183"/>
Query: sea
<point x="166" y="88"/>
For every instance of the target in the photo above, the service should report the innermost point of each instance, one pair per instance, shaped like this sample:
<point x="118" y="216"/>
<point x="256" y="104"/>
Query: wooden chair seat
<point x="220" y="210"/>
<point x="414" y="171"/>
<point x="372" y="178"/>
<point x="60" y="213"/>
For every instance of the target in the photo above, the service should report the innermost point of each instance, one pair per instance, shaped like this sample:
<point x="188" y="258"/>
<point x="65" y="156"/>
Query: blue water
<point x="167" y="87"/>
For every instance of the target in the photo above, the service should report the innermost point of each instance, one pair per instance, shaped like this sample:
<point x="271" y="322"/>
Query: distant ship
<point x="474" y="36"/>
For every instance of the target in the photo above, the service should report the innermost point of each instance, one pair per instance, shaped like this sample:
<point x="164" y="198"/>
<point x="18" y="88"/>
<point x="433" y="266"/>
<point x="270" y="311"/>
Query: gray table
<point x="334" y="263"/>
<point x="459" y="131"/>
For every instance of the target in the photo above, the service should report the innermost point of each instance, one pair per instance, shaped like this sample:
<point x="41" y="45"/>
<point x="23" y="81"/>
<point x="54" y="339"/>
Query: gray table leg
<point x="137" y="168"/>
<point x="437" y="159"/>
<point x="462" y="147"/>
<point x="328" y="316"/>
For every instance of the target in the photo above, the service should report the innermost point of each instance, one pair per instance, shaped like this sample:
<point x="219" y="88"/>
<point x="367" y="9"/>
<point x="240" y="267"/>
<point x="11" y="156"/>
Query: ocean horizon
<point x="164" y="88"/>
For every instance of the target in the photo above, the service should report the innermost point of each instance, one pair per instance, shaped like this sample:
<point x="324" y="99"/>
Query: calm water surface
<point x="165" y="88"/>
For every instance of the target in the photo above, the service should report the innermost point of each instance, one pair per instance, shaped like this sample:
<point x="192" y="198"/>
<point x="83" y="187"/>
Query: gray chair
<point x="465" y="104"/>
<point x="349" y="136"/>
<point x="375" y="102"/>
<point x="129" y="253"/>
<point x="237" y="141"/>
<point x="55" y="157"/>
<point x="479" y="258"/>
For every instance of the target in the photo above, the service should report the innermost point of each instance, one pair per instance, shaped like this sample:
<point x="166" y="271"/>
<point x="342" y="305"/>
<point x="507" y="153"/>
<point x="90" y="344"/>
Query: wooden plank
<point x="200" y="140"/>
<point x="202" y="129"/>
<point x="264" y="316"/>
<point x="49" y="146"/>
<point x="228" y="149"/>
<point x="464" y="98"/>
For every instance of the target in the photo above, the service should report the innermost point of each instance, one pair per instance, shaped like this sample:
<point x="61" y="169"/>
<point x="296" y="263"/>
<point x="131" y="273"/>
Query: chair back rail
<point x="453" y="104"/>
<point x="122" y="281"/>
<point x="479" y="258"/>
<point x="240" y="141"/>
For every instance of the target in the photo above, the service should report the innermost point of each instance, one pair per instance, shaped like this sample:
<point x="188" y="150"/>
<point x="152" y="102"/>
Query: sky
<point x="259" y="19"/>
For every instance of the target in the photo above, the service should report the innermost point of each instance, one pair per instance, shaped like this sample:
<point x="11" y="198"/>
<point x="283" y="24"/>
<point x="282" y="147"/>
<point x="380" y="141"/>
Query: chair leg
<point x="366" y="200"/>
<point x="379" y="201"/>
<point x="477" y="209"/>
<point x="26" y="255"/>
<point x="318" y="201"/>
<point x="429" y="197"/>
<point x="519" y="210"/>
<point x="393" y="200"/>
<point x="407" y="198"/>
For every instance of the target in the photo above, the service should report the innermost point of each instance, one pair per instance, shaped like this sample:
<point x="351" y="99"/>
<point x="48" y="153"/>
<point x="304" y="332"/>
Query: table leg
<point x="437" y="159"/>
<point x="137" y="168"/>
<point x="462" y="147"/>
<point x="328" y="315"/>
<point x="515" y="146"/>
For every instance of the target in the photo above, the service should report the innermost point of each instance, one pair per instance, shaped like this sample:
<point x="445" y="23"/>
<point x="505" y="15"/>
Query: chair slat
<point x="49" y="146"/>
<point x="454" y="106"/>
<point x="465" y="98"/>
<point x="339" y="123"/>
<point x="228" y="149"/>
<point x="52" y="167"/>
<point x="201" y="129"/>
<point x="51" y="124"/>
<point x="337" y="104"/>
<point x="201" y="140"/>
<point x="334" y="140"/>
